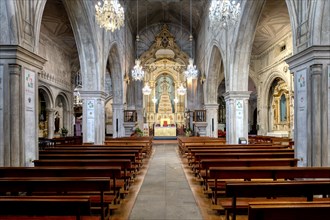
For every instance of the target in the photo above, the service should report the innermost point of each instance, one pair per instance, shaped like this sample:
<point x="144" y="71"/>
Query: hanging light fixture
<point x="146" y="90"/>
<point x="182" y="90"/>
<point x="154" y="99"/>
<point x="137" y="72"/>
<point x="224" y="13"/>
<point x="191" y="72"/>
<point x="109" y="14"/>
<point x="77" y="101"/>
<point x="176" y="100"/>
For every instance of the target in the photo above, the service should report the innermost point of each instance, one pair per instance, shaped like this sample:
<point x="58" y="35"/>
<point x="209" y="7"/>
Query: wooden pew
<point x="138" y="154"/>
<point x="201" y="156"/>
<point x="289" y="210"/>
<point x="113" y="173"/>
<point x="144" y="141"/>
<point x="127" y="170"/>
<point x="205" y="164"/>
<point x="275" y="189"/>
<point x="192" y="158"/>
<point x="221" y="174"/>
<point x="89" y="156"/>
<point x="45" y="206"/>
<point x="56" y="184"/>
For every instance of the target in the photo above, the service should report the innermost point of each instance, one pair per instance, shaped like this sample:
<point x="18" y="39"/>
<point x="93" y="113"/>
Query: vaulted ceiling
<point x="166" y="11"/>
<point x="274" y="24"/>
<point x="274" y="21"/>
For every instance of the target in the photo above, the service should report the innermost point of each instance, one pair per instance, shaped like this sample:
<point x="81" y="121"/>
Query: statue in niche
<point x="165" y="86"/>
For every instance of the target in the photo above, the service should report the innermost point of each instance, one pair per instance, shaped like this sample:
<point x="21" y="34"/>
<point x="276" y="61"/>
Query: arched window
<point x="283" y="116"/>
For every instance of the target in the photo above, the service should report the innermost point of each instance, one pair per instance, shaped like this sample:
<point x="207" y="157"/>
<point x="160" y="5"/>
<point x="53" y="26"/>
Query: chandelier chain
<point x="109" y="15"/>
<point x="191" y="71"/>
<point x="137" y="72"/>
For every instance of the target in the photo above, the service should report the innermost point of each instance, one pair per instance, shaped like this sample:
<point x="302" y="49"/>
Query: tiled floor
<point x="166" y="189"/>
<point x="165" y="192"/>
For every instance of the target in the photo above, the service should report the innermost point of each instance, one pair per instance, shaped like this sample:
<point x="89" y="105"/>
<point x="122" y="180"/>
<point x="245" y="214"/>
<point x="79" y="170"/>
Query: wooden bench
<point x="113" y="173"/>
<point x="193" y="156"/>
<point x="56" y="184"/>
<point x="205" y="164"/>
<point x="127" y="170"/>
<point x="275" y="189"/>
<point x="201" y="156"/>
<point x="45" y="206"/>
<point x="289" y="210"/>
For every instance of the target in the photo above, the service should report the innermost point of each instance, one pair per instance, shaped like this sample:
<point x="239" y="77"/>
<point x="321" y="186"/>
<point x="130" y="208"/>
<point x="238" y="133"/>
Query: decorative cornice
<point x="21" y="55"/>
<point x="311" y="54"/>
<point x="51" y="78"/>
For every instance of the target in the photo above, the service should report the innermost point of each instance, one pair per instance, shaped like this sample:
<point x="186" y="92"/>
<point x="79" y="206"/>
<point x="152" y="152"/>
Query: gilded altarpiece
<point x="164" y="64"/>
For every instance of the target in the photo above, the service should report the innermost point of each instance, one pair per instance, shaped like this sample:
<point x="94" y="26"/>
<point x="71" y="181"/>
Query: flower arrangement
<point x="188" y="132"/>
<point x="64" y="131"/>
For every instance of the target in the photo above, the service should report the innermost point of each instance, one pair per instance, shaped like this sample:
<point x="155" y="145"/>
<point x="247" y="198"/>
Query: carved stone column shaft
<point x="15" y="118"/>
<point x="236" y="115"/>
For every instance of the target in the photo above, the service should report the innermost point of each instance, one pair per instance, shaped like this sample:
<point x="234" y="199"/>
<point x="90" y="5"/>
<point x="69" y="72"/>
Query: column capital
<point x="316" y="69"/>
<point x="92" y="94"/>
<point x="237" y="95"/>
<point x="211" y="106"/>
<point x="15" y="69"/>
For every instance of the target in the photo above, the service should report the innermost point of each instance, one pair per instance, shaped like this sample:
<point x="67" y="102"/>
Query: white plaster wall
<point x="265" y="67"/>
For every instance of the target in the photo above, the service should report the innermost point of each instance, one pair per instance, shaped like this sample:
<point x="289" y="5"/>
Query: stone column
<point x="118" y="120"/>
<point x="311" y="119"/>
<point x="316" y="110"/>
<point x="51" y="119"/>
<point x="211" y="119"/>
<point x="15" y="117"/>
<point x="237" y="111"/>
<point x="93" y="117"/>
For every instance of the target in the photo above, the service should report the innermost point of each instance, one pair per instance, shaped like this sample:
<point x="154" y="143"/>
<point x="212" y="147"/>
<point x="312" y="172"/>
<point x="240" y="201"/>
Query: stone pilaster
<point x="236" y="115"/>
<point x="118" y="120"/>
<point x="316" y="113"/>
<point x="20" y="117"/>
<point x="15" y="72"/>
<point x="51" y="119"/>
<point x="211" y="119"/>
<point x="311" y="82"/>
<point x="93" y="117"/>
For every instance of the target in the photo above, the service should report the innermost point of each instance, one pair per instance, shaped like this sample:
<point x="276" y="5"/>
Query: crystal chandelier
<point x="191" y="72"/>
<point x="224" y="13"/>
<point x="110" y="15"/>
<point x="154" y="99"/>
<point x="146" y="89"/>
<point x="77" y="101"/>
<point x="182" y="90"/>
<point x="137" y="71"/>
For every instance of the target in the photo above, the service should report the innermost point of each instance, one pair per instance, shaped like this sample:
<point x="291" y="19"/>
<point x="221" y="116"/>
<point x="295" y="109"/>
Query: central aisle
<point x="165" y="192"/>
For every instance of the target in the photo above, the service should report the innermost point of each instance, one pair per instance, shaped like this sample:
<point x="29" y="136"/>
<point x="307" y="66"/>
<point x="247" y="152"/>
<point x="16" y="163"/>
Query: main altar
<point x="164" y="64"/>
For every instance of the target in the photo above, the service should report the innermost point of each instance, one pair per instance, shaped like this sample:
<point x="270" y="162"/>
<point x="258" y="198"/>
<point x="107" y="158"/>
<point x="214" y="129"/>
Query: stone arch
<point x="214" y="76"/>
<point x="239" y="72"/>
<point x="62" y="102"/>
<point x="10" y="33"/>
<point x="266" y="102"/>
<point x="116" y="74"/>
<point x="45" y="129"/>
<point x="319" y="25"/>
<point x="48" y="95"/>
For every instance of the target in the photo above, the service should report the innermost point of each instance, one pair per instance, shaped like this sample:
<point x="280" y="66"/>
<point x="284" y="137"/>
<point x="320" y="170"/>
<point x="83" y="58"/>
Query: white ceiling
<point x="274" y="23"/>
